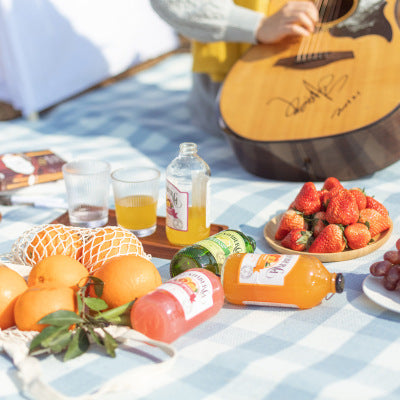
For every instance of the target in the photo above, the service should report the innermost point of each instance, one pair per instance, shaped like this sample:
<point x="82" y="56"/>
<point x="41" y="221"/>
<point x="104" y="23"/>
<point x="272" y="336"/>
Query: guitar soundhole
<point x="333" y="10"/>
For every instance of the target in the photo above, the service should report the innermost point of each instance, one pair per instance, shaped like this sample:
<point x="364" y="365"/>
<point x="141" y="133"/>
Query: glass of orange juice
<point x="136" y="195"/>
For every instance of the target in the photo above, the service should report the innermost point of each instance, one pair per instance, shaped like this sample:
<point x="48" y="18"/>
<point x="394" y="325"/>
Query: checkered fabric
<point x="348" y="347"/>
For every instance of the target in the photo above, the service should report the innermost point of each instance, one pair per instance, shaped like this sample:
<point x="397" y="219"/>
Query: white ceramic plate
<point x="373" y="288"/>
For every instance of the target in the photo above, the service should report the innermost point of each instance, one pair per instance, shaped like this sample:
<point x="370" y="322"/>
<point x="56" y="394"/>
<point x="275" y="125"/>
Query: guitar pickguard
<point x="368" y="19"/>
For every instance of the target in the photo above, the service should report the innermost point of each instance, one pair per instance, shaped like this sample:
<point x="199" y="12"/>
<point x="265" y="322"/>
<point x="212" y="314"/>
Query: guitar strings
<point x="309" y="48"/>
<point x="331" y="15"/>
<point x="305" y="42"/>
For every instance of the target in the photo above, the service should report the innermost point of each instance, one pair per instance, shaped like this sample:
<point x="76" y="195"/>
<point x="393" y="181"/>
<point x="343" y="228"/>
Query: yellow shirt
<point x="216" y="58"/>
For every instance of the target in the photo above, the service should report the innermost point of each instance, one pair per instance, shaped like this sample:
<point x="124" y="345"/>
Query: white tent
<point x="53" y="49"/>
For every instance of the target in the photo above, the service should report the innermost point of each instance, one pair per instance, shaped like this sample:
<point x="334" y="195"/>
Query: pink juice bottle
<point x="178" y="305"/>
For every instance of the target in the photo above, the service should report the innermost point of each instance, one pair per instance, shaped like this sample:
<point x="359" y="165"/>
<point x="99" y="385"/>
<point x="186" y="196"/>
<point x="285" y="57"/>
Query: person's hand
<point x="295" y="18"/>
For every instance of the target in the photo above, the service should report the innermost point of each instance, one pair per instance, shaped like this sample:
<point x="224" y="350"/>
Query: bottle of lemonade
<point x="178" y="305"/>
<point x="188" y="192"/>
<point x="211" y="253"/>
<point x="299" y="281"/>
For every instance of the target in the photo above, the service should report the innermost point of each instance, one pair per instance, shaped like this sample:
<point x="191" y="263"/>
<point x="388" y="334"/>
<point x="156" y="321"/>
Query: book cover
<point x="29" y="168"/>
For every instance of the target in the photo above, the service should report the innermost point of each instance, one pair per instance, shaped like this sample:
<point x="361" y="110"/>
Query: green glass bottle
<point x="212" y="252"/>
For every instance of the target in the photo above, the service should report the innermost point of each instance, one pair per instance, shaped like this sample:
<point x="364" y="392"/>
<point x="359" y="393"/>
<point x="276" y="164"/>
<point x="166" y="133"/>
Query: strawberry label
<point x="266" y="269"/>
<point x="177" y="208"/>
<point x="193" y="291"/>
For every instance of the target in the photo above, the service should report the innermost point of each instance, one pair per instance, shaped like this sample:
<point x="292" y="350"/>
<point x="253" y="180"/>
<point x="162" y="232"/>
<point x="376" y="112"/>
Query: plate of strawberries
<point x="331" y="223"/>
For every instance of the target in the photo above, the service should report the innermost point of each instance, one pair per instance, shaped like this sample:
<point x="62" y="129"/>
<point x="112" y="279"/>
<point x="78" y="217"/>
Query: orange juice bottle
<point x="299" y="281"/>
<point x="178" y="305"/>
<point x="187" y="197"/>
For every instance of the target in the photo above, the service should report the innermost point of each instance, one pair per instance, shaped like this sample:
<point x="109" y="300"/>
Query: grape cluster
<point x="389" y="268"/>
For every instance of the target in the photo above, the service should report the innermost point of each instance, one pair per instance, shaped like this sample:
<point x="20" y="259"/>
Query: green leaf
<point x="98" y="285"/>
<point x="78" y="345"/>
<point x="60" y="342"/>
<point x="97" y="338"/>
<point x="124" y="320"/>
<point x="38" y="339"/>
<point x="95" y="303"/>
<point x="79" y="301"/>
<point x="61" y="318"/>
<point x="112" y="313"/>
<point x="109" y="343"/>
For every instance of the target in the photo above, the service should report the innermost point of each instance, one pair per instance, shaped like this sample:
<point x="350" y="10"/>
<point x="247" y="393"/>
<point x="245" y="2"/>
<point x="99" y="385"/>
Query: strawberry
<point x="331" y="183"/>
<point x="375" y="221"/>
<point x="357" y="235"/>
<point x="330" y="240"/>
<point x="376" y="205"/>
<point x="318" y="223"/>
<point x="291" y="219"/>
<point x="296" y="239"/>
<point x="359" y="197"/>
<point x="308" y="200"/>
<point x="342" y="209"/>
<point x="328" y="195"/>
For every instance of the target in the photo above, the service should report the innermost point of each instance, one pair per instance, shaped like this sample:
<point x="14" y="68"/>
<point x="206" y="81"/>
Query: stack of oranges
<point x="109" y="254"/>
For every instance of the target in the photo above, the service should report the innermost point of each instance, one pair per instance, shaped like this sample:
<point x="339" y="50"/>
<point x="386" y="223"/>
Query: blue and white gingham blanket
<point x="345" y="348"/>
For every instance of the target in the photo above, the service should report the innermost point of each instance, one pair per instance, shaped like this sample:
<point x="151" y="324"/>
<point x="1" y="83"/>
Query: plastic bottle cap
<point x="339" y="283"/>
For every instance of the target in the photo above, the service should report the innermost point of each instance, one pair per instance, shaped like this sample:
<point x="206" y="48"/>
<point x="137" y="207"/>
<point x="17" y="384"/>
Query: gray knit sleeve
<point x="209" y="20"/>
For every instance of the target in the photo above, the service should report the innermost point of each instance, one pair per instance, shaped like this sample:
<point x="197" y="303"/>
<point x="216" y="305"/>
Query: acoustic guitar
<point x="323" y="105"/>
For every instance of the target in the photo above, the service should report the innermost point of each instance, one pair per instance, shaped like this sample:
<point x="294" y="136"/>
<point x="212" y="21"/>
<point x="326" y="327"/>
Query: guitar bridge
<point x="314" y="60"/>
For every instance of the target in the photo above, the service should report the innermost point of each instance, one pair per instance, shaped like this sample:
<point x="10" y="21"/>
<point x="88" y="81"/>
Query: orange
<point x="12" y="284"/>
<point x="106" y="243"/>
<point x="38" y="301"/>
<point x="127" y="278"/>
<point x="54" y="239"/>
<point x="58" y="270"/>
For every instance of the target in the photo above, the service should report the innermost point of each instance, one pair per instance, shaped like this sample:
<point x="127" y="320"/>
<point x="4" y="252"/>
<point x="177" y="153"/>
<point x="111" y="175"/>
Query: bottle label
<point x="266" y="269"/>
<point x="222" y="244"/>
<point x="193" y="290"/>
<point x="177" y="208"/>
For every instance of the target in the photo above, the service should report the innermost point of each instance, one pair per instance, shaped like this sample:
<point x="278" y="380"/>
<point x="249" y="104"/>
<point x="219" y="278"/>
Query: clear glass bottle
<point x="299" y="281"/>
<point x="212" y="252"/>
<point x="188" y="195"/>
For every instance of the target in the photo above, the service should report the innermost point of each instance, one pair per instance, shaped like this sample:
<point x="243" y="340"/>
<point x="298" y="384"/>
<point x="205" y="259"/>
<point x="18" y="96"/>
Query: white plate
<point x="373" y="288"/>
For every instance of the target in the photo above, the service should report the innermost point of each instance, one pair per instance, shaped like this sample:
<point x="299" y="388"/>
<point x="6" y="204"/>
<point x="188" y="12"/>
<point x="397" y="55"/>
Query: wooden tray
<point x="157" y="244"/>
<point x="271" y="227"/>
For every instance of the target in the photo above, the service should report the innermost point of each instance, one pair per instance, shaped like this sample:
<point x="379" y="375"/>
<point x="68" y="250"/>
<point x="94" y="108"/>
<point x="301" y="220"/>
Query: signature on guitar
<point x="338" y="111"/>
<point x="324" y="89"/>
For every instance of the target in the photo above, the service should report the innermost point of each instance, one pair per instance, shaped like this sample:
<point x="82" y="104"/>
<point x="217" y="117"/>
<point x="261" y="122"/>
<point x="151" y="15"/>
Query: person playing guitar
<point x="221" y="31"/>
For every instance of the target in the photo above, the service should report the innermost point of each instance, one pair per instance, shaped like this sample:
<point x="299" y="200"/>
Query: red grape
<point x="392" y="256"/>
<point x="392" y="277"/>
<point x="380" y="268"/>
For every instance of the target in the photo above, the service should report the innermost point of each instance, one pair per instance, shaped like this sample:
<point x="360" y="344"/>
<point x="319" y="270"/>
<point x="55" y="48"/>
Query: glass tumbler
<point x="136" y="196"/>
<point x="88" y="188"/>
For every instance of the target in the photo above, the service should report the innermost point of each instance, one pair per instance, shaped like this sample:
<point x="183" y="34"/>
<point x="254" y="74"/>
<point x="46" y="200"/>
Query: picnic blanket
<point x="348" y="347"/>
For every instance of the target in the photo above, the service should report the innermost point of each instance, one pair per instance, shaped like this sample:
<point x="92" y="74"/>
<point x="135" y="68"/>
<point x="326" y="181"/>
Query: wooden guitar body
<point x="327" y="105"/>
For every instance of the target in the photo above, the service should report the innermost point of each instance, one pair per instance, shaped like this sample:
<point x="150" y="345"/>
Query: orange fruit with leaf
<point x="58" y="270"/>
<point x="38" y="301"/>
<point x="12" y="285"/>
<point x="126" y="278"/>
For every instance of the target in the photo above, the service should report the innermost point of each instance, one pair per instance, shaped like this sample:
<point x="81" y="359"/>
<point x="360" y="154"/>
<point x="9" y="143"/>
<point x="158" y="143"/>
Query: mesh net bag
<point x="105" y="243"/>
<point x="31" y="379"/>
<point x="92" y="247"/>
